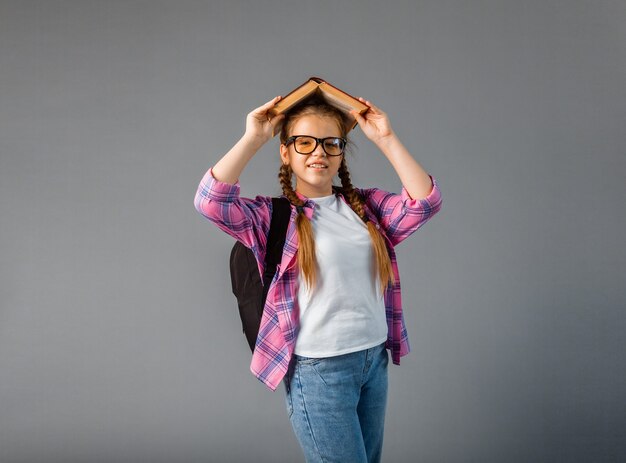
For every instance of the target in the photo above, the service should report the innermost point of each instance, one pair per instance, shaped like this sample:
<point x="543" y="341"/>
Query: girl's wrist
<point x="386" y="142"/>
<point x="254" y="142"/>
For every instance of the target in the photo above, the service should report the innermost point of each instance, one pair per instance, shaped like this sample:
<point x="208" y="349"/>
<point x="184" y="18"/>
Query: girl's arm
<point x="420" y="199"/>
<point x="414" y="178"/>
<point x="375" y="125"/>
<point x="246" y="220"/>
<point x="217" y="196"/>
<point x="398" y="214"/>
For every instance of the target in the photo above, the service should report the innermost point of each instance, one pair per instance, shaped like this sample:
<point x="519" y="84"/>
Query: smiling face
<point x="314" y="172"/>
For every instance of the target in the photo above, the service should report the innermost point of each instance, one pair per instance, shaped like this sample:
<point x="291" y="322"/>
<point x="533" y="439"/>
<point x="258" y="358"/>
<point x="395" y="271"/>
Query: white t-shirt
<point x="346" y="311"/>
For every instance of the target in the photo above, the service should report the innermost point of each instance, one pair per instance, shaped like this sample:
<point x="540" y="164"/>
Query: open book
<point x="318" y="87"/>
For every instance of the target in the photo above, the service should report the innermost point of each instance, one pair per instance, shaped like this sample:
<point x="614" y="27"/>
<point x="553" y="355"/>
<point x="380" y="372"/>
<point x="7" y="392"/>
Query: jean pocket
<point x="308" y="360"/>
<point x="309" y="365"/>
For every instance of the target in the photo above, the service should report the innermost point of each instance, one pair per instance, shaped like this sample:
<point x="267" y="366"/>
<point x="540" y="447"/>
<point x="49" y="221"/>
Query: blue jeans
<point x="337" y="405"/>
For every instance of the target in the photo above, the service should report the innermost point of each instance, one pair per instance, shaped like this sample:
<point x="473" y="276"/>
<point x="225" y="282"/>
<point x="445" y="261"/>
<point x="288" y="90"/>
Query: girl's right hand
<point x="259" y="125"/>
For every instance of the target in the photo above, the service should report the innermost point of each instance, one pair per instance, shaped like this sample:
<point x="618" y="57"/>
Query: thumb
<point x="276" y="123"/>
<point x="360" y="119"/>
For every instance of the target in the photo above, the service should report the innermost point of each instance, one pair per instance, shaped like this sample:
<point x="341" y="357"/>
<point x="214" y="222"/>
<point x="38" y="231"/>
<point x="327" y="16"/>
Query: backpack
<point x="246" y="282"/>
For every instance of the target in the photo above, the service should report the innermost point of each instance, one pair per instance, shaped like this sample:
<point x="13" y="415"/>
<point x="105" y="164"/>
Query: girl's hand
<point x="259" y="125"/>
<point x="374" y="123"/>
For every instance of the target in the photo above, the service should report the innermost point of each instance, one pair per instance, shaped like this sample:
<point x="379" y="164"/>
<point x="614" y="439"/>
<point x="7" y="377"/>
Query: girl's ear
<point x="284" y="154"/>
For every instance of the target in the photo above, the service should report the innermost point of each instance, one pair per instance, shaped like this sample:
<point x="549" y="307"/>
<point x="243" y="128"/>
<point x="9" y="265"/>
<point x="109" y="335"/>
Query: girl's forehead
<point x="314" y="123"/>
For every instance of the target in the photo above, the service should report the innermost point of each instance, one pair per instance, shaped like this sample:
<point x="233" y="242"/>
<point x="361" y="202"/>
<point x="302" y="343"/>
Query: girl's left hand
<point x="374" y="123"/>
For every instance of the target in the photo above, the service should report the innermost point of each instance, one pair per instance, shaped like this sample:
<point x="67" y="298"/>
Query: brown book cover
<point x="316" y="86"/>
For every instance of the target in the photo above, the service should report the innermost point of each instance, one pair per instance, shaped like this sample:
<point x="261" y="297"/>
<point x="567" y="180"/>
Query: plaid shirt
<point x="396" y="216"/>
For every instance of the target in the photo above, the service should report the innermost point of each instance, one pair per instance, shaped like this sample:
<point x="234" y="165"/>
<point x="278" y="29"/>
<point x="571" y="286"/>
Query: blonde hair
<point x="307" y="262"/>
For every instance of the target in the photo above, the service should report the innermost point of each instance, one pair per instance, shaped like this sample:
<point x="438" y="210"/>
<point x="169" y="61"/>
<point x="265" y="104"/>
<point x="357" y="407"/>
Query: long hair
<point x="307" y="262"/>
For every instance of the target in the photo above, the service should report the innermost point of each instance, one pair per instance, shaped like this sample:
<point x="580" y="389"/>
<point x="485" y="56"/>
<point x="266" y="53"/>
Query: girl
<point x="334" y="306"/>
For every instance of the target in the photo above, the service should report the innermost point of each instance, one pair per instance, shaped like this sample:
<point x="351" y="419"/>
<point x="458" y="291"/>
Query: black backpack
<point x="250" y="291"/>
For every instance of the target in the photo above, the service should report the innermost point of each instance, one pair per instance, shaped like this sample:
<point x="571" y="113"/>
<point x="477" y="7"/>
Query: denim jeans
<point x="337" y="405"/>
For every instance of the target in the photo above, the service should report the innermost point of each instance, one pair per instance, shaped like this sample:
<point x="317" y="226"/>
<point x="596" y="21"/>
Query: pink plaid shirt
<point x="396" y="215"/>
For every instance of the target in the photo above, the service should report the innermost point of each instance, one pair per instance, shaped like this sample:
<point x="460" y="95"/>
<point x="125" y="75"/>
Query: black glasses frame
<point x="317" y="142"/>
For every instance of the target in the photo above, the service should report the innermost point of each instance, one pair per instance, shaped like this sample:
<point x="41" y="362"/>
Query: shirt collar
<point x="309" y="203"/>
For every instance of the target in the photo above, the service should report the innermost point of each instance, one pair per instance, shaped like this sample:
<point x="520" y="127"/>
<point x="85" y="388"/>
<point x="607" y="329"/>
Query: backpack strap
<point x="281" y="212"/>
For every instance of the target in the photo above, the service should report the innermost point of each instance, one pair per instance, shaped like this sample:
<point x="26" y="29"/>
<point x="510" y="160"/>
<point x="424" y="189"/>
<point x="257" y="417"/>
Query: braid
<point x="385" y="271"/>
<point x="355" y="201"/>
<point x="306" y="250"/>
<point x="284" y="175"/>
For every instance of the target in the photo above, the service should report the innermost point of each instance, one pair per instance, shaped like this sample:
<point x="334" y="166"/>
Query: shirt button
<point x="378" y="226"/>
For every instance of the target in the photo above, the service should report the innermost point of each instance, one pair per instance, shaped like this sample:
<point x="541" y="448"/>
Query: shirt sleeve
<point x="400" y="215"/>
<point x="246" y="220"/>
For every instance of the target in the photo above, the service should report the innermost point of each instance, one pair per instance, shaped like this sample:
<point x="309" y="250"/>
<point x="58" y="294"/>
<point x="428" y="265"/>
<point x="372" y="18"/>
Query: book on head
<point x="317" y="87"/>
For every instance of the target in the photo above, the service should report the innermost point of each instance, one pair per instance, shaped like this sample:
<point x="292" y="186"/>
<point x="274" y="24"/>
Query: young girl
<point x="334" y="307"/>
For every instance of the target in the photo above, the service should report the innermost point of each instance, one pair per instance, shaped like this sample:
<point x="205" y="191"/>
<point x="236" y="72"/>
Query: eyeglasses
<point x="304" y="144"/>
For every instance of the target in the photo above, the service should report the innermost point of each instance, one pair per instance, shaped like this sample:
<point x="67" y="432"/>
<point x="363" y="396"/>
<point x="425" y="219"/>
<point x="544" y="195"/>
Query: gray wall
<point x="119" y="337"/>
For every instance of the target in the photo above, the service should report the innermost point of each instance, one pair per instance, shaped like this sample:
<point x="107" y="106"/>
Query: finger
<point x="375" y="109"/>
<point x="276" y="123"/>
<point x="272" y="102"/>
<point x="264" y="108"/>
<point x="360" y="119"/>
<point x="373" y="106"/>
<point x="276" y="120"/>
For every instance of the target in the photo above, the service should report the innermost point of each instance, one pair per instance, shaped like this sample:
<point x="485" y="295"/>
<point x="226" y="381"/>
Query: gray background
<point x="119" y="337"/>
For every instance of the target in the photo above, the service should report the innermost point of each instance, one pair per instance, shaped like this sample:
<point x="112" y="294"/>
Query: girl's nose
<point x="319" y="150"/>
